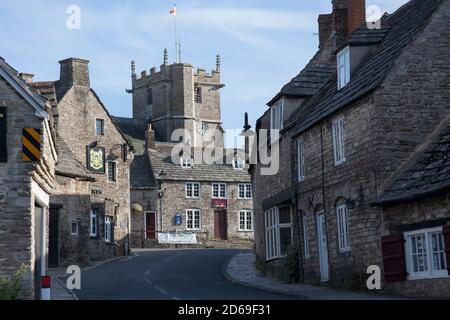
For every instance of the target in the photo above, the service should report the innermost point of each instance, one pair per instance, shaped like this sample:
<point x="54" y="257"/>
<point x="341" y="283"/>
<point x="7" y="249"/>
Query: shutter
<point x="3" y="136"/>
<point x="446" y="232"/>
<point x="394" y="258"/>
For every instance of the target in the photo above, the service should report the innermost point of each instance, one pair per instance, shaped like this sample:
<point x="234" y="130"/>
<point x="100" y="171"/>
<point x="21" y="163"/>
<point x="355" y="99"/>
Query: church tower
<point x="178" y="97"/>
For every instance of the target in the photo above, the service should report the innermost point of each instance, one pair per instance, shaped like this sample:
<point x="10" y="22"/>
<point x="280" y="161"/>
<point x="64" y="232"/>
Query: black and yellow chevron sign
<point x="31" y="141"/>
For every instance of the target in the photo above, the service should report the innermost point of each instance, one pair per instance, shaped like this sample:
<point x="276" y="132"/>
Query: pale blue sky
<point x="263" y="43"/>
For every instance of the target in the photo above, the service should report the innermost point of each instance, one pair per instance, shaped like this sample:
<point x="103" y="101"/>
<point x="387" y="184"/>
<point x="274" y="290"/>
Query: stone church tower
<point x="178" y="97"/>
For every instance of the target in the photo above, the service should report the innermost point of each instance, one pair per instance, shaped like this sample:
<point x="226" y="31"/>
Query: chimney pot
<point x="150" y="137"/>
<point x="27" y="77"/>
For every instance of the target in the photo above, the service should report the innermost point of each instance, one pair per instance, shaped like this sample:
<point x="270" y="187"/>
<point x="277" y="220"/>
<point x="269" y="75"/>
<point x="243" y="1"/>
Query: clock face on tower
<point x="202" y="128"/>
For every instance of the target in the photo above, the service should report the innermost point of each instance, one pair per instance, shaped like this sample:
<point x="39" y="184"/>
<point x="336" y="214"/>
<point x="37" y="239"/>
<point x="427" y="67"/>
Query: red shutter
<point x="446" y="232"/>
<point x="394" y="257"/>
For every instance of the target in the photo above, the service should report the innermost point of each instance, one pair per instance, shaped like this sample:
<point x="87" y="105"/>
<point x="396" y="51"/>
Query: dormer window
<point x="276" y="116"/>
<point x="343" y="65"/>
<point x="238" y="164"/>
<point x="187" y="163"/>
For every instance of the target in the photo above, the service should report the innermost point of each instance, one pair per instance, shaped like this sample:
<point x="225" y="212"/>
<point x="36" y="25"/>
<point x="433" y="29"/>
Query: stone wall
<point x="82" y="104"/>
<point x="16" y="199"/>
<point x="395" y="216"/>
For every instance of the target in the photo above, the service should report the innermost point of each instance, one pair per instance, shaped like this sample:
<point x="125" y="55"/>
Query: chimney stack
<point x="347" y="16"/>
<point x="150" y="137"/>
<point x="27" y="77"/>
<point x="74" y="72"/>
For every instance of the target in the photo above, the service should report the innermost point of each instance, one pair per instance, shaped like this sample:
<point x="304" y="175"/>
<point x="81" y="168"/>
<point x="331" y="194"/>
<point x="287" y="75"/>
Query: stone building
<point x="90" y="205"/>
<point x="27" y="165"/>
<point x="185" y="201"/>
<point x="345" y="142"/>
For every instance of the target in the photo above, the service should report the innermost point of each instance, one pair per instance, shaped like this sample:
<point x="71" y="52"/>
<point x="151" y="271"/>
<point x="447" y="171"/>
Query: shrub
<point x="10" y="287"/>
<point x="290" y="270"/>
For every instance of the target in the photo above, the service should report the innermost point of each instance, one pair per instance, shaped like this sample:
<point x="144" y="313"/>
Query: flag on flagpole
<point x="173" y="11"/>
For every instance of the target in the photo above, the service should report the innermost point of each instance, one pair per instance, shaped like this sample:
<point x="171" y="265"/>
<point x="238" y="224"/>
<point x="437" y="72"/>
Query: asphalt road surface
<point x="168" y="275"/>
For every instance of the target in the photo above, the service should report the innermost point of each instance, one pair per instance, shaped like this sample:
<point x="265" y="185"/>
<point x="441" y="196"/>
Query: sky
<point x="262" y="43"/>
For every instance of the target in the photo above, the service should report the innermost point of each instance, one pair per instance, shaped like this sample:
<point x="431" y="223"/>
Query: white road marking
<point x="160" y="290"/>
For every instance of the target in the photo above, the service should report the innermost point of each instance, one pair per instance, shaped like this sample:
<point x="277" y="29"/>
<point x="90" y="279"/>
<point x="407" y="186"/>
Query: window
<point x="198" y="94"/>
<point x="305" y="237"/>
<point x="187" y="163"/>
<point x="425" y="254"/>
<point x="74" y="228"/>
<point x="108" y="229"/>
<point x="343" y="64"/>
<point x="245" y="220"/>
<point x="276" y="116"/>
<point x="278" y="222"/>
<point x="112" y="171"/>
<point x="245" y="191"/>
<point x="342" y="223"/>
<point x="100" y="127"/>
<point x="192" y="190"/>
<point x="149" y="96"/>
<point x="338" y="141"/>
<point x="301" y="160"/>
<point x="219" y="191"/>
<point x="93" y="223"/>
<point x="194" y="220"/>
<point x="238" y="164"/>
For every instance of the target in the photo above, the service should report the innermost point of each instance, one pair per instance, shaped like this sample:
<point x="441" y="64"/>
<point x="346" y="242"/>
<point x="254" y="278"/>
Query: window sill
<point x="430" y="277"/>
<point x="346" y="250"/>
<point x="246" y="231"/>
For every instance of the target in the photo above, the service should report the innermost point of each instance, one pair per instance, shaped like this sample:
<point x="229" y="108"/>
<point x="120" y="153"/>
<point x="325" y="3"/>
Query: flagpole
<point x="176" y="37"/>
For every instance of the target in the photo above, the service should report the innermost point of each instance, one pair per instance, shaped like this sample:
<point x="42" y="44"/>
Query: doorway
<point x="220" y="225"/>
<point x="39" y="248"/>
<point x="323" y="247"/>
<point x="150" y="225"/>
<point x="53" y="238"/>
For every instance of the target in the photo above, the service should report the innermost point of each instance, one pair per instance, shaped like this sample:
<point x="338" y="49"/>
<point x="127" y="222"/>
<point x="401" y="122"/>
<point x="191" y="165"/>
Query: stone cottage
<point x="388" y="94"/>
<point x="90" y="206"/>
<point x="186" y="201"/>
<point x="27" y="165"/>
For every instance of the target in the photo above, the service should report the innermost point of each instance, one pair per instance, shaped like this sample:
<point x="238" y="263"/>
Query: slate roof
<point x="427" y="174"/>
<point x="161" y="160"/>
<point x="307" y="82"/>
<point x="401" y="27"/>
<point x="40" y="100"/>
<point x="67" y="164"/>
<point x="141" y="173"/>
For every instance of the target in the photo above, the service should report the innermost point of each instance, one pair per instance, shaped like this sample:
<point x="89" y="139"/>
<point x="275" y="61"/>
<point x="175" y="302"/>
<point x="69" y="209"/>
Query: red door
<point x="150" y="225"/>
<point x="220" y="225"/>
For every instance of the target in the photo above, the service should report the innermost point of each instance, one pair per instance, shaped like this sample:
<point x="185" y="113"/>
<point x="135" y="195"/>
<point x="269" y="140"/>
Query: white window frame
<point x="306" y="237"/>
<point x="301" y="160"/>
<point x="238" y="164"/>
<point x="343" y="67"/>
<point x="272" y="232"/>
<point x="191" y="186"/>
<point x="194" y="211"/>
<point x="220" y="185"/>
<point x="108" y="228"/>
<point x="277" y="115"/>
<point x="342" y="222"/>
<point x="339" y="140"/>
<point x="430" y="273"/>
<point x="102" y="128"/>
<point x="93" y="222"/>
<point x="187" y="163"/>
<point x="115" y="171"/>
<point x="247" y="216"/>
<point x="78" y="228"/>
<point x="247" y="187"/>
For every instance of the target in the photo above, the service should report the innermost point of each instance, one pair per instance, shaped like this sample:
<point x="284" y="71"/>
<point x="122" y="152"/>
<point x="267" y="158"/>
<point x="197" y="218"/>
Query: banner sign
<point x="177" y="238"/>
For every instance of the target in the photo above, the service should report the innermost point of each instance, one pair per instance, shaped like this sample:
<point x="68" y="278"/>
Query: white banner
<point x="177" y="238"/>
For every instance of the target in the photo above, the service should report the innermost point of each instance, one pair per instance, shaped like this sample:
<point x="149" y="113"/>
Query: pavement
<point x="241" y="269"/>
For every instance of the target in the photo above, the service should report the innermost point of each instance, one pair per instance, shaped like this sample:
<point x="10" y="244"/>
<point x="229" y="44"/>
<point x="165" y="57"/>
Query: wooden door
<point x="150" y="225"/>
<point x="220" y="225"/>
